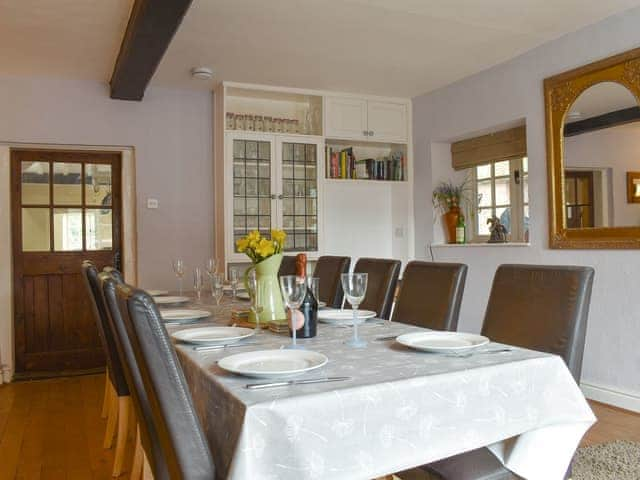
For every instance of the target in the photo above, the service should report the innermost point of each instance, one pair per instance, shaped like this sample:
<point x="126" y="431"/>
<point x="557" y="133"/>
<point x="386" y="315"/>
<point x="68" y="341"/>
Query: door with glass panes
<point x="66" y="208"/>
<point x="275" y="185"/>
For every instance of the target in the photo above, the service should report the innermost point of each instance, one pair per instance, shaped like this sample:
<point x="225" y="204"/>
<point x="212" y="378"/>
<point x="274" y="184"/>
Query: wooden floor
<point x="51" y="429"/>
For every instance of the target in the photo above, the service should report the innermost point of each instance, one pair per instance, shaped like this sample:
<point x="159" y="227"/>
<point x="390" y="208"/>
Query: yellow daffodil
<point x="265" y="248"/>
<point x="242" y="244"/>
<point x="278" y="236"/>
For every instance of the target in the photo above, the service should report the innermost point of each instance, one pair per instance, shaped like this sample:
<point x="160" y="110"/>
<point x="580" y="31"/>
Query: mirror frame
<point x="560" y="91"/>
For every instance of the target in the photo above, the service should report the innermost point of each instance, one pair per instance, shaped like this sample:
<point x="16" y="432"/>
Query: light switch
<point x="152" y="203"/>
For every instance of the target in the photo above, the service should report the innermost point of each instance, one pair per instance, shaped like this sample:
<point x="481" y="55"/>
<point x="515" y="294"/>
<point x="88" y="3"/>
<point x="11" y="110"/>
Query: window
<point x="502" y="191"/>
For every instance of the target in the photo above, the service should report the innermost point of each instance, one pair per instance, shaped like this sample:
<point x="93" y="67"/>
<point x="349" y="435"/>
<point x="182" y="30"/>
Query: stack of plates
<point x="186" y="315"/>
<point x="170" y="300"/>
<point x="273" y="363"/>
<point x="442" y="342"/>
<point x="343" y="317"/>
<point x="212" y="335"/>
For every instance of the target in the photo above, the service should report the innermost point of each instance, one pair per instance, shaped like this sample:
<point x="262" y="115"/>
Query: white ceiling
<point x="388" y="47"/>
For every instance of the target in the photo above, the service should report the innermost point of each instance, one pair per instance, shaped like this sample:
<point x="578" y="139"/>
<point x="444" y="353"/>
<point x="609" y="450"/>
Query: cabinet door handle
<point x="365" y="133"/>
<point x="371" y="133"/>
<point x="273" y="196"/>
<point x="280" y="197"/>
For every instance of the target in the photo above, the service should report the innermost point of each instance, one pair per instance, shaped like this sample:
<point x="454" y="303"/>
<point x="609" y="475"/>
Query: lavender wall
<point x="503" y="94"/>
<point x="171" y="131"/>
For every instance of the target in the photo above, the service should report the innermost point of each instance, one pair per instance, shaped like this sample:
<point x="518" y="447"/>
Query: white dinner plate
<point x="442" y="342"/>
<point x="273" y="363"/>
<point x="157" y="293"/>
<point x="344" y="317"/>
<point x="243" y="295"/>
<point x="170" y="300"/>
<point x="213" y="335"/>
<point x="183" y="315"/>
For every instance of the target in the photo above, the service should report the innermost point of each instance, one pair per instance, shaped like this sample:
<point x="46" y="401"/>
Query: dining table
<point x="397" y="409"/>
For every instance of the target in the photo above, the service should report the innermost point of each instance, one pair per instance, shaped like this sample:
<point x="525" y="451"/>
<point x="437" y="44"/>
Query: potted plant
<point x="266" y="256"/>
<point x="448" y="198"/>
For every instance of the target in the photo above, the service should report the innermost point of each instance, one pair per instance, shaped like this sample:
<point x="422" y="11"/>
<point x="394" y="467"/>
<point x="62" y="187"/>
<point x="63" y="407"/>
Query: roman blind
<point x="502" y="145"/>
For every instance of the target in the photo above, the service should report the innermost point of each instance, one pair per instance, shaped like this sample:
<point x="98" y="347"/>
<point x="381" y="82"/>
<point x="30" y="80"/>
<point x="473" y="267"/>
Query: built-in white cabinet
<point x="361" y="119"/>
<point x="272" y="182"/>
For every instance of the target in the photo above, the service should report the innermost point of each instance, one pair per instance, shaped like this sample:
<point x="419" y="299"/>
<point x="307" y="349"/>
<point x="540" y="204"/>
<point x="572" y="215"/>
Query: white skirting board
<point x="625" y="400"/>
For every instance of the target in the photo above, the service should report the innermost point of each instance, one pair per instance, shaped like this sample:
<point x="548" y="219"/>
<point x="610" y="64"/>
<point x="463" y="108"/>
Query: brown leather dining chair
<point x="116" y="404"/>
<point x="288" y="266"/>
<point x="328" y="269"/>
<point x="430" y="295"/>
<point x="381" y="284"/>
<point x="170" y="430"/>
<point x="538" y="307"/>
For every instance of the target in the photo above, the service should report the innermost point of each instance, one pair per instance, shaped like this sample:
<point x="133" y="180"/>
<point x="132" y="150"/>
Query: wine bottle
<point x="460" y="230"/>
<point x="309" y="307"/>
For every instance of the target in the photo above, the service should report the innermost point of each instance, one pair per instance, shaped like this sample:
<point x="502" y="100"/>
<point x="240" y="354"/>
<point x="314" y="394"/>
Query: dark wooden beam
<point x="152" y="25"/>
<point x="607" y="120"/>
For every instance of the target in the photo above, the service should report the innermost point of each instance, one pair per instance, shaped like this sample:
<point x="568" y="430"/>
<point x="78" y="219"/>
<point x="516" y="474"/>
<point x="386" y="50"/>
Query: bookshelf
<point x="364" y="161"/>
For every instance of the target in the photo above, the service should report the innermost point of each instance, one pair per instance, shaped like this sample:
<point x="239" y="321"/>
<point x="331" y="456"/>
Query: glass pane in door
<point x="251" y="187"/>
<point x="67" y="185"/>
<point x="97" y="182"/>
<point x="35" y="183"/>
<point x="35" y="229"/>
<point x="300" y="191"/>
<point x="67" y="229"/>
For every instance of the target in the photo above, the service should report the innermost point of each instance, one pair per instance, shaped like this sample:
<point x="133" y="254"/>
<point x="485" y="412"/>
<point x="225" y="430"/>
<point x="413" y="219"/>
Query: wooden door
<point x="66" y="207"/>
<point x="346" y="118"/>
<point x="387" y="121"/>
<point x="579" y="205"/>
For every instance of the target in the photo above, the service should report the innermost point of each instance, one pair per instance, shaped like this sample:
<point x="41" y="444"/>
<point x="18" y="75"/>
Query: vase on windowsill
<point x="449" y="222"/>
<point x="448" y="197"/>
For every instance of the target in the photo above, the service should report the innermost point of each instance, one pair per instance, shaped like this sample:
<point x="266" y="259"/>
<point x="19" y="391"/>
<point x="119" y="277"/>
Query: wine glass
<point x="211" y="266"/>
<point x="217" y="287"/>
<point x="255" y="294"/>
<point x="314" y="286"/>
<point x="197" y="282"/>
<point x="293" y="290"/>
<point x="178" y="269"/>
<point x="355" y="288"/>
<point x="233" y="279"/>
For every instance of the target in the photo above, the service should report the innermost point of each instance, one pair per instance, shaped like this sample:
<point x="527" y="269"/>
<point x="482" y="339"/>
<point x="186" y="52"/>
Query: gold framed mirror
<point x="593" y="139"/>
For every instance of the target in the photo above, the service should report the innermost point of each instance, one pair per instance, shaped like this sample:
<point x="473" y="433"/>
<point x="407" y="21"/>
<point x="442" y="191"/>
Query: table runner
<point x="401" y="409"/>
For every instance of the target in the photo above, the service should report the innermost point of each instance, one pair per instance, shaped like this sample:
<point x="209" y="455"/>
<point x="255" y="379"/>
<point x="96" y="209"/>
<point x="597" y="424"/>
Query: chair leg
<point x="112" y="421"/>
<point x="138" y="459"/>
<point x="124" y="407"/>
<point x="107" y="395"/>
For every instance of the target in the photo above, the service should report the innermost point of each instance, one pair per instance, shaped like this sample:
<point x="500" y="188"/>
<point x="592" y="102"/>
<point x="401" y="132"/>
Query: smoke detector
<point x="202" y="73"/>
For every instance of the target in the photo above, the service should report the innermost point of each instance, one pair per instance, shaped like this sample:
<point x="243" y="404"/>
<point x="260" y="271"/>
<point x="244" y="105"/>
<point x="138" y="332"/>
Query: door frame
<point x="128" y="235"/>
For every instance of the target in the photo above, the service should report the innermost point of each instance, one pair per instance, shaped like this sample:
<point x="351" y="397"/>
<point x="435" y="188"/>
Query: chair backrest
<point x="328" y="269"/>
<point x="430" y="295"/>
<point x="381" y="285"/>
<point x="142" y="405"/>
<point x="288" y="266"/>
<point x="543" y="308"/>
<point x="116" y="373"/>
<point x="185" y="450"/>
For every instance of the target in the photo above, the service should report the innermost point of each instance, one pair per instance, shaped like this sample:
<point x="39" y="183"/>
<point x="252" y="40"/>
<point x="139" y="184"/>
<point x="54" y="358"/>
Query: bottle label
<point x="460" y="235"/>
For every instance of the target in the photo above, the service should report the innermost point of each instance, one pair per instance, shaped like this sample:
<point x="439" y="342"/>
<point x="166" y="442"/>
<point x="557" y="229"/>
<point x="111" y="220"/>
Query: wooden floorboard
<point x="51" y="429"/>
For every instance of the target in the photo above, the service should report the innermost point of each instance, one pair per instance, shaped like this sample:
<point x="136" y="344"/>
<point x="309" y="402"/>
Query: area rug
<point x="619" y="460"/>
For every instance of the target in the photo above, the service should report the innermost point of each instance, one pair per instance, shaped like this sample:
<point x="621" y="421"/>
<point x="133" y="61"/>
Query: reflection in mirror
<point x="601" y="144"/>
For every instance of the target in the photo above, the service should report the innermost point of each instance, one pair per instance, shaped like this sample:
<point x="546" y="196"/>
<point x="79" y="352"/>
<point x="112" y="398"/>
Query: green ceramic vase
<point x="268" y="286"/>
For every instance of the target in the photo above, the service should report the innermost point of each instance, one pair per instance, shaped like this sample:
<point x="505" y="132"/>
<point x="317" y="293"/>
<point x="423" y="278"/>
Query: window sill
<point x="463" y="245"/>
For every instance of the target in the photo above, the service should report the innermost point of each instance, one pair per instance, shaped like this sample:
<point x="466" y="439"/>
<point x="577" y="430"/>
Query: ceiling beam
<point x="607" y="120"/>
<point x="152" y="25"/>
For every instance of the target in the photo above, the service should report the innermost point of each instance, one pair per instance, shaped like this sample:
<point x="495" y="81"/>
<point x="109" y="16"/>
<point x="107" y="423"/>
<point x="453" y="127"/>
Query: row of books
<point x="343" y="164"/>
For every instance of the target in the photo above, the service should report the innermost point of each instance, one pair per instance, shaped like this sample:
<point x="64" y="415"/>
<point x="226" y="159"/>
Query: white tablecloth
<point x="401" y="409"/>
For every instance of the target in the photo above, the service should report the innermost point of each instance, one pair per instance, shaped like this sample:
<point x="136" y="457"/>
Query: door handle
<point x="280" y="197"/>
<point x="117" y="261"/>
<point x="371" y="133"/>
<point x="365" y="133"/>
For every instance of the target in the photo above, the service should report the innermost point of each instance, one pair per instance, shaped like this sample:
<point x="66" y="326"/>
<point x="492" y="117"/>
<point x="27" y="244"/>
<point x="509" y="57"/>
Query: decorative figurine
<point x="498" y="231"/>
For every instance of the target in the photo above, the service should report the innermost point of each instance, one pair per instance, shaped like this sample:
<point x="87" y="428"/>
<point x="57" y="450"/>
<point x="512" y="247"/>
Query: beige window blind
<point x="503" y="145"/>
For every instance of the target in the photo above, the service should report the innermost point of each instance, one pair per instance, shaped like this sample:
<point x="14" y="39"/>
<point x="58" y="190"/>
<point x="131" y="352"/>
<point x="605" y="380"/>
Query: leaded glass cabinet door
<point x="252" y="186"/>
<point x="299" y="206"/>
